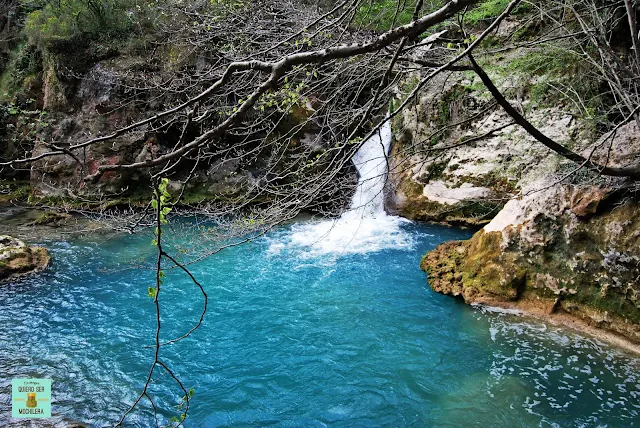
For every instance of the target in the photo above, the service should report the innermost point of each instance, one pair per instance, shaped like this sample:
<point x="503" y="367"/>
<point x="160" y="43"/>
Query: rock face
<point x="458" y="159"/>
<point x="17" y="258"/>
<point x="556" y="240"/>
<point x="585" y="268"/>
<point x="559" y="249"/>
<point x="88" y="93"/>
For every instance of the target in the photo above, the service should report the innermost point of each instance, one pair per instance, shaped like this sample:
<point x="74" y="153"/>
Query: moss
<point x="406" y="87"/>
<point x="50" y="218"/>
<point x="197" y="197"/>
<point x="448" y="99"/>
<point x="589" y="272"/>
<point x="493" y="180"/>
<point x="466" y="213"/>
<point x="614" y="303"/>
<point x="14" y="191"/>
<point x="435" y="170"/>
<point x="379" y="14"/>
<point x="485" y="11"/>
<point x="443" y="264"/>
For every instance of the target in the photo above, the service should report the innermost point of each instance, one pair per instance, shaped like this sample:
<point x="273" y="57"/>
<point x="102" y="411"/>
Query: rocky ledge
<point x="17" y="258"/>
<point x="559" y="251"/>
<point x="552" y="264"/>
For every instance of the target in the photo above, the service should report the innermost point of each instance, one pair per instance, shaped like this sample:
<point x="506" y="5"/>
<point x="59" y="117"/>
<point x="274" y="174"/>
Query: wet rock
<point x="55" y="421"/>
<point x="538" y="253"/>
<point x="50" y="218"/>
<point x="17" y="258"/>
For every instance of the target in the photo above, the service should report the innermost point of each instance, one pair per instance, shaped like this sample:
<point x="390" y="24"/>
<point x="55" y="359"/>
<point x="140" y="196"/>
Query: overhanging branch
<point x="632" y="172"/>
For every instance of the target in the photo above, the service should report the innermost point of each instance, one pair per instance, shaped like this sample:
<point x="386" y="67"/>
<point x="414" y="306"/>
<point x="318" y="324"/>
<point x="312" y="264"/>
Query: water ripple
<point x="354" y="341"/>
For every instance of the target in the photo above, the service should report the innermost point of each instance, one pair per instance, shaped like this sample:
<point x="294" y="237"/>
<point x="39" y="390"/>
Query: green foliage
<point x="484" y="11"/>
<point x="177" y="421"/>
<point x="550" y="61"/>
<point x="229" y="5"/>
<point x="161" y="204"/>
<point x="51" y="22"/>
<point x="20" y="127"/>
<point x="489" y="9"/>
<point x="289" y="95"/>
<point x="24" y="65"/>
<point x="408" y="85"/>
<point x="379" y="14"/>
<point x="561" y="76"/>
<point x="382" y="15"/>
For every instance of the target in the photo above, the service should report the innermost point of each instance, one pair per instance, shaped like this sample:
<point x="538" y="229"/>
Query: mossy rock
<point x="585" y="268"/>
<point x="17" y="258"/>
<point x="14" y="191"/>
<point x="50" y="218"/>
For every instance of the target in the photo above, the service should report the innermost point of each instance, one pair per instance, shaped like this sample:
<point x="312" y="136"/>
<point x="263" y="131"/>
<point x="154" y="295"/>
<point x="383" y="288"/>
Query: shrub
<point x="49" y="22"/>
<point x="24" y="64"/>
<point x="379" y="14"/>
<point x="489" y="9"/>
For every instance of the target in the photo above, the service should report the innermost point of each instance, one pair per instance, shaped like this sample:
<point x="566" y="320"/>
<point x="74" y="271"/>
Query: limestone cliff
<point x="559" y="249"/>
<point x="557" y="239"/>
<point x="458" y="159"/>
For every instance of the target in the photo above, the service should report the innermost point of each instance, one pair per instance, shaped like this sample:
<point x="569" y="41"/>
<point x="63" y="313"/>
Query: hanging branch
<point x="632" y="172"/>
<point x="162" y="207"/>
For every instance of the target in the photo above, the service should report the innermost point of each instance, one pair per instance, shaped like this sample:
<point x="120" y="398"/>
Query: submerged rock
<point x="17" y="258"/>
<point x="51" y="218"/>
<point x="56" y="421"/>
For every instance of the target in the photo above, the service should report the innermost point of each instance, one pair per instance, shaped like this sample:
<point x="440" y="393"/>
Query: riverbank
<point x="539" y="310"/>
<point x="482" y="272"/>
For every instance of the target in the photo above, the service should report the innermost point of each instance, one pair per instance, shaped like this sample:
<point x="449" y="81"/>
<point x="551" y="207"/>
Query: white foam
<point x="496" y="309"/>
<point x="365" y="227"/>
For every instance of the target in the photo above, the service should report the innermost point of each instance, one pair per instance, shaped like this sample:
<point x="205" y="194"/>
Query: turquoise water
<point x="294" y="338"/>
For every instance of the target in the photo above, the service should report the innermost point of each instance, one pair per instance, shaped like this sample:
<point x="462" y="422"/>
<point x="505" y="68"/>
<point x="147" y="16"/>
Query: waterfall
<point x="371" y="163"/>
<point x="365" y="226"/>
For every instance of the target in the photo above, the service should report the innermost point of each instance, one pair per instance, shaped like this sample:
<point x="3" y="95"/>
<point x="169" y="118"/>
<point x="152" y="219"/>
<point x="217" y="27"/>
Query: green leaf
<point x="151" y="292"/>
<point x="191" y="392"/>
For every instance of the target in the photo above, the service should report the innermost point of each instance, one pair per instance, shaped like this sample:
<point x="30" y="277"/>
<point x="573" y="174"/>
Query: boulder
<point x="17" y="258"/>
